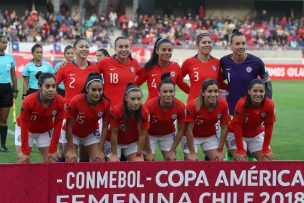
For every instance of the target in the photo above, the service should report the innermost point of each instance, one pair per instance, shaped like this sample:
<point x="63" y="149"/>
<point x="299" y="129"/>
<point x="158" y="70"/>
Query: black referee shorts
<point x="6" y="95"/>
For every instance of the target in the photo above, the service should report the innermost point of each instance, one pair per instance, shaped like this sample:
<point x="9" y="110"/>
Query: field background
<point x="287" y="137"/>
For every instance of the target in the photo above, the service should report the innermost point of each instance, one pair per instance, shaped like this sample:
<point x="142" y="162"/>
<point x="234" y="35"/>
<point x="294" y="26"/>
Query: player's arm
<point x="25" y="86"/>
<point x="181" y="83"/>
<point x="25" y="115"/>
<point x="142" y="77"/>
<point x="114" y="144"/>
<point x="190" y="141"/>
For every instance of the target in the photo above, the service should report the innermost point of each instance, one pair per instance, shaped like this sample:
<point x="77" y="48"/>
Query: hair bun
<point x="165" y="75"/>
<point x="38" y="74"/>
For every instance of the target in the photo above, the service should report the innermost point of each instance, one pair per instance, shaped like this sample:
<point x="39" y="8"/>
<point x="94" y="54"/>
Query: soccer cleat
<point x="4" y="149"/>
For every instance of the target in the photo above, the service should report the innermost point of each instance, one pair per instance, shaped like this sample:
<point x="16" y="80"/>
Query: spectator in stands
<point x="8" y="89"/>
<point x="252" y="124"/>
<point x="30" y="82"/>
<point x="40" y="120"/>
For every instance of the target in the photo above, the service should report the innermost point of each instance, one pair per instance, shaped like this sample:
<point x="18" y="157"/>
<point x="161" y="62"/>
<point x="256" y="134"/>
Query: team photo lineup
<point x="85" y="111"/>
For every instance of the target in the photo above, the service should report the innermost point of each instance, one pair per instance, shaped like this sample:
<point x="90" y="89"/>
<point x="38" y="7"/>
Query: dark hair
<point x="78" y="38"/>
<point x="200" y="36"/>
<point x="40" y="76"/>
<point x="235" y="32"/>
<point x="104" y="52"/>
<point x="200" y="100"/>
<point x="154" y="57"/>
<point x="126" y="113"/>
<point x="67" y="48"/>
<point x="35" y="47"/>
<point x="165" y="79"/>
<point x="251" y="84"/>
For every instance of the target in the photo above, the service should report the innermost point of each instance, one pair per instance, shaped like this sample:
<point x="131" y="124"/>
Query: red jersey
<point x="249" y="122"/>
<point x="199" y="71"/>
<point x="161" y="121"/>
<point x="86" y="117"/>
<point x="128" y="132"/>
<point x="153" y="76"/>
<point x="116" y="77"/>
<point x="251" y="119"/>
<point x="205" y="120"/>
<point x="74" y="78"/>
<point x="36" y="118"/>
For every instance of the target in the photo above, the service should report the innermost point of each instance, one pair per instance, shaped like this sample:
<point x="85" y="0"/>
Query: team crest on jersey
<point x="188" y="112"/>
<point x="213" y="68"/>
<point x="174" y="116"/>
<point x="54" y="113"/>
<point x="263" y="114"/>
<point x="123" y="127"/>
<point x="172" y="74"/>
<point x="219" y="116"/>
<point x="100" y="114"/>
<point x="132" y="69"/>
<point x="248" y="69"/>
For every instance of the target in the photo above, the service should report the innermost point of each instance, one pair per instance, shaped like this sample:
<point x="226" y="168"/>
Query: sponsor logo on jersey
<point x="132" y="69"/>
<point x="174" y="116"/>
<point x="213" y="68"/>
<point x="248" y="69"/>
<point x="100" y="114"/>
<point x="154" y="75"/>
<point x="263" y="114"/>
<point x="173" y="74"/>
<point x="54" y="113"/>
<point x="219" y="116"/>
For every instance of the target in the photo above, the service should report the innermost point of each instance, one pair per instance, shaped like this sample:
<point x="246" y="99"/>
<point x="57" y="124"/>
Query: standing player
<point x="30" y="83"/>
<point x="158" y="64"/>
<point x="8" y="91"/>
<point x="40" y="120"/>
<point x="252" y="124"/>
<point x="202" y="66"/>
<point x="239" y="68"/>
<point x="118" y="70"/>
<point x="68" y="55"/>
<point x="101" y="53"/>
<point x="83" y="113"/>
<point x="164" y="111"/>
<point x="202" y="115"/>
<point x="74" y="74"/>
<point x="129" y="126"/>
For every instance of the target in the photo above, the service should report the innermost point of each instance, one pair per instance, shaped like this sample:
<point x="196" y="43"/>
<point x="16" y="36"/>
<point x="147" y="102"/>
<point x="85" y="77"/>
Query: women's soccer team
<point x="100" y="114"/>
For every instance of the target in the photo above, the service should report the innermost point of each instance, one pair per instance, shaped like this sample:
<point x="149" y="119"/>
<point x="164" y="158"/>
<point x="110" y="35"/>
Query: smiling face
<point x="205" y="45"/>
<point x="134" y="100"/>
<point x="122" y="49"/>
<point x="211" y="94"/>
<point x="166" y="93"/>
<point x="94" y="91"/>
<point x="238" y="45"/>
<point x="164" y="51"/>
<point x="257" y="94"/>
<point x="48" y="89"/>
<point x="82" y="49"/>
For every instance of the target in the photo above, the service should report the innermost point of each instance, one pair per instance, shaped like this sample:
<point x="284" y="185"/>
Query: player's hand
<point x="100" y="157"/>
<point x="114" y="158"/>
<point x="219" y="156"/>
<point x="52" y="157"/>
<point x="149" y="157"/>
<point x="240" y="157"/>
<point x="171" y="156"/>
<point x="268" y="157"/>
<point x="70" y="154"/>
<point x="192" y="157"/>
<point x="22" y="158"/>
<point x="139" y="158"/>
<point x="15" y="95"/>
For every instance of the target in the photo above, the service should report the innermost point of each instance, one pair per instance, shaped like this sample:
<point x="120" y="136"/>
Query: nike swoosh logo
<point x="154" y="75"/>
<point x="112" y="68"/>
<point x="72" y="74"/>
<point x="195" y="68"/>
<point x="228" y="68"/>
